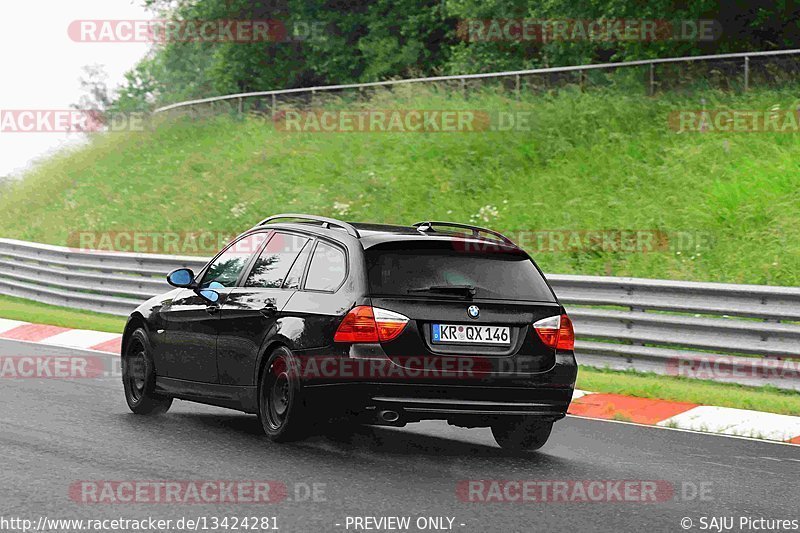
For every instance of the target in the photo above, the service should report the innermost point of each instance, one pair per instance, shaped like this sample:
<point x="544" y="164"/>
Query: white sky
<point x="41" y="65"/>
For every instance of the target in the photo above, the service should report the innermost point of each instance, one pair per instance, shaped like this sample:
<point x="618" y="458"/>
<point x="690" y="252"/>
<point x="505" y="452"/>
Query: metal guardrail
<point x="744" y="56"/>
<point x="104" y="282"/>
<point x="747" y="334"/>
<point x="667" y="327"/>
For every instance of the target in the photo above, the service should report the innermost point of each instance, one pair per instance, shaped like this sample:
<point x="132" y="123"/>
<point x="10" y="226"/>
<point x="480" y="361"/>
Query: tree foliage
<point x="346" y="41"/>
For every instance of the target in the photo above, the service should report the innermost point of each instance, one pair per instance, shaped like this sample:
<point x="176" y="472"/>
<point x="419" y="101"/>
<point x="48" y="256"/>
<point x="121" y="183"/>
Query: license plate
<point x="469" y="334"/>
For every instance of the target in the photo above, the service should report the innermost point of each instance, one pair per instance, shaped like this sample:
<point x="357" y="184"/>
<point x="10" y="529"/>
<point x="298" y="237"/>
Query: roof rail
<point x="428" y="225"/>
<point x="324" y="221"/>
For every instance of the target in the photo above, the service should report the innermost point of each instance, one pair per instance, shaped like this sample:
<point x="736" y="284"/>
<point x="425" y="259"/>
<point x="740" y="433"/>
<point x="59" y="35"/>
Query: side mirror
<point x="209" y="295"/>
<point x="181" y="277"/>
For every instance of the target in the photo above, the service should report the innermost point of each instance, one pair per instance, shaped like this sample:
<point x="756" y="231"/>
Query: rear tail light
<point x="556" y="332"/>
<point x="370" y="324"/>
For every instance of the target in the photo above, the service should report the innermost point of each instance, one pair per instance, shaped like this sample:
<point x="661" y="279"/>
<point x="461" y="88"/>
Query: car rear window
<point x="503" y="276"/>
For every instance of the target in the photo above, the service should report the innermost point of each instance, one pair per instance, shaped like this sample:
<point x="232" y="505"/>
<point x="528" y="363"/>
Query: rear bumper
<point x="464" y="402"/>
<point x="454" y="404"/>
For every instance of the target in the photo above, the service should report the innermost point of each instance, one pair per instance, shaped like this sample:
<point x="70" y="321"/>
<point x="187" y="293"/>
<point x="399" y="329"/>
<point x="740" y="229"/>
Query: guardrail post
<point x="241" y="106"/>
<point x="652" y="89"/>
<point x="517" y="86"/>
<point x="581" y="80"/>
<point x="273" y="110"/>
<point x="746" y="73"/>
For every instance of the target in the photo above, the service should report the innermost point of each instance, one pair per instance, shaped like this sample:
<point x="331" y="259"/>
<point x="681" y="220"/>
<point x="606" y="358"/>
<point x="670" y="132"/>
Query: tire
<point x="139" y="377"/>
<point x="281" y="407"/>
<point x="526" y="434"/>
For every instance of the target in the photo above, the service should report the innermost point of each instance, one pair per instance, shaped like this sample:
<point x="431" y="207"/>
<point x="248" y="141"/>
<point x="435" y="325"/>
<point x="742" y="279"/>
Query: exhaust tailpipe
<point x="389" y="416"/>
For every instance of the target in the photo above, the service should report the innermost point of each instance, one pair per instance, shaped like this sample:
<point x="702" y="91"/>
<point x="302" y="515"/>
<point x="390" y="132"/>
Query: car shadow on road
<point x="406" y="441"/>
<point x="373" y="439"/>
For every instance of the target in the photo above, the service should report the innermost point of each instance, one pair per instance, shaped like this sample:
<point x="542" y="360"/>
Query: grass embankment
<point x="602" y="160"/>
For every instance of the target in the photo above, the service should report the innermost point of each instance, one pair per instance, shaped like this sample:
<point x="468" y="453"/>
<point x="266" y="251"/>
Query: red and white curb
<point x="690" y="416"/>
<point x="82" y="339"/>
<point x="664" y="413"/>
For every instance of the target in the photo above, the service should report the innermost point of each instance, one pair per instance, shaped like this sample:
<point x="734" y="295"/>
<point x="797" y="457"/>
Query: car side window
<point x="328" y="268"/>
<point x="226" y="268"/>
<point x="272" y="266"/>
<point x="295" y="275"/>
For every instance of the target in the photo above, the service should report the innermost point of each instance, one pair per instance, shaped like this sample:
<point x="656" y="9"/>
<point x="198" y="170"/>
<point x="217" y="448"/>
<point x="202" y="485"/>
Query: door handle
<point x="212" y="309"/>
<point x="269" y="310"/>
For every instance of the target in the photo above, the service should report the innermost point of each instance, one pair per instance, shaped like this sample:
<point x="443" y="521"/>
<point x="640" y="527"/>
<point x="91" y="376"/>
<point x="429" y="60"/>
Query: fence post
<point x="581" y="80"/>
<point x="273" y="107"/>
<point x="652" y="89"/>
<point x="517" y="86"/>
<point x="746" y="73"/>
<point x="241" y="105"/>
<point x="464" y="88"/>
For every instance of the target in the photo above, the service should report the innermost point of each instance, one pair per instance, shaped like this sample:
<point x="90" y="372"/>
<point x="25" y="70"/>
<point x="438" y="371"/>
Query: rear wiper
<point x="467" y="291"/>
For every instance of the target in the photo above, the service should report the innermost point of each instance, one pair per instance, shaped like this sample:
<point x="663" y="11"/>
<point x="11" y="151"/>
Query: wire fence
<point x="727" y="72"/>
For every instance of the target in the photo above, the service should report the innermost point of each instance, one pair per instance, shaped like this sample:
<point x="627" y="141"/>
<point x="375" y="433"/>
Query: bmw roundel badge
<point x="473" y="311"/>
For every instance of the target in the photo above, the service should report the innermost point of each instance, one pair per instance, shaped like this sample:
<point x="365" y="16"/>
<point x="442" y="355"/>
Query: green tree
<point x="369" y="40"/>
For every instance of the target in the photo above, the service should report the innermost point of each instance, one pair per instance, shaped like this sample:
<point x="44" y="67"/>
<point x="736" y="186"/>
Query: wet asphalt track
<point x="55" y="432"/>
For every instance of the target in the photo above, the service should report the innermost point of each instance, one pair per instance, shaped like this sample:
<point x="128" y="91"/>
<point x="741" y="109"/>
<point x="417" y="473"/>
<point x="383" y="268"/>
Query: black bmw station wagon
<point x="306" y="320"/>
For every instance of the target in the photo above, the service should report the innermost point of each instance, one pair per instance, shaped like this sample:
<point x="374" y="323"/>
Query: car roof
<point x="378" y="234"/>
<point x="373" y="234"/>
